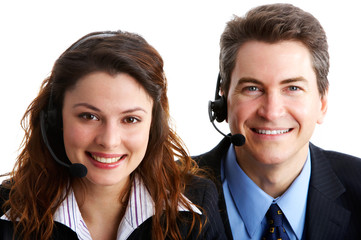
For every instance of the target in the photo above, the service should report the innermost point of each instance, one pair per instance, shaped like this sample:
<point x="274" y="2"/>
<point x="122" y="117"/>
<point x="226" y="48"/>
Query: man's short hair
<point x="271" y="24"/>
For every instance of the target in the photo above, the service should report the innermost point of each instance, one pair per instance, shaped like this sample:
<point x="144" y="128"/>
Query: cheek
<point x="74" y="137"/>
<point x="239" y="112"/>
<point x="305" y="111"/>
<point x="137" y="142"/>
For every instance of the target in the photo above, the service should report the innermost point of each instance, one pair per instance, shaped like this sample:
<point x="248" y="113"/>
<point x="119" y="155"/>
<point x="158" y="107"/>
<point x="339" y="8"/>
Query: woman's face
<point x="106" y="124"/>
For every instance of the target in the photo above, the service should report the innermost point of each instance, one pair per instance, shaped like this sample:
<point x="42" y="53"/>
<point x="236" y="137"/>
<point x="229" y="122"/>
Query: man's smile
<point x="271" y="132"/>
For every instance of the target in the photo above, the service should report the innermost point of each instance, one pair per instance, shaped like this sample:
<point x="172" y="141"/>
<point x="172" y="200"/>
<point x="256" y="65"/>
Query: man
<point x="273" y="65"/>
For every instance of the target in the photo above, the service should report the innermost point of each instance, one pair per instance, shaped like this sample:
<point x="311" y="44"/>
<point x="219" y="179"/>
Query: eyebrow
<point x="130" y="110"/>
<point x="255" y="81"/>
<point x="248" y="80"/>
<point x="87" y="106"/>
<point x="296" y="79"/>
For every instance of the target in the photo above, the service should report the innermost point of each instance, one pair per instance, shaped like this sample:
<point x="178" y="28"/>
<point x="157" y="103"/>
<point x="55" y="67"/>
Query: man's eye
<point x="88" y="116"/>
<point x="252" y="88"/>
<point x="293" y="88"/>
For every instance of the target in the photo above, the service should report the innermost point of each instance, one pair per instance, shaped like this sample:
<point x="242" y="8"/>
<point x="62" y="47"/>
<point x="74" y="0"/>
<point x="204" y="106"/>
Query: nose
<point x="109" y="135"/>
<point x="272" y="106"/>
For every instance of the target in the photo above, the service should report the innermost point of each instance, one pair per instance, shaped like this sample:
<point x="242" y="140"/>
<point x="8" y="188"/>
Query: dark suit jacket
<point x="334" y="196"/>
<point x="201" y="192"/>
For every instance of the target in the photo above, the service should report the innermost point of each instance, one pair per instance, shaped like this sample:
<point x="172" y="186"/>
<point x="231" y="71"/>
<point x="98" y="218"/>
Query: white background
<point x="186" y="33"/>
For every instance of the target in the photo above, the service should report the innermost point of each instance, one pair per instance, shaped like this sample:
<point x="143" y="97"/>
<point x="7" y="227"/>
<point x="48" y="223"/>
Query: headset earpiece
<point x="51" y="118"/>
<point x="218" y="110"/>
<point x="51" y="113"/>
<point x="218" y="106"/>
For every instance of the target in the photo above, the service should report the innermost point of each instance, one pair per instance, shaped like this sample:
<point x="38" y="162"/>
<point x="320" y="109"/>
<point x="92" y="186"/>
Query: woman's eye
<point x="131" y="120"/>
<point x="88" y="116"/>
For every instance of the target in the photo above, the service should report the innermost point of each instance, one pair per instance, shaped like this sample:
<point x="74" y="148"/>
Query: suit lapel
<point x="325" y="219"/>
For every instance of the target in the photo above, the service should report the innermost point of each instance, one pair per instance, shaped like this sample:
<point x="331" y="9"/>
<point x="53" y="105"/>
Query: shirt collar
<point x="296" y="195"/>
<point x="252" y="202"/>
<point x="68" y="213"/>
<point x="140" y="208"/>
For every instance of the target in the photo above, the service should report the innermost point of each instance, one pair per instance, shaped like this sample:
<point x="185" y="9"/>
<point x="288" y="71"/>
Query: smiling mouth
<point x="271" y="132"/>
<point x="107" y="160"/>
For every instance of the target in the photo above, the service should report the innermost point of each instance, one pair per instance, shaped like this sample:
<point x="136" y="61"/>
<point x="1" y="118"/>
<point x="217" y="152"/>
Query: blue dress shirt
<point x="247" y="204"/>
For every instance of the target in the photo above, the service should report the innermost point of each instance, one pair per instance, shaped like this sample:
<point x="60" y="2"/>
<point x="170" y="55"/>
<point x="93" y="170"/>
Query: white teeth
<point x="106" y="160"/>
<point x="272" y="132"/>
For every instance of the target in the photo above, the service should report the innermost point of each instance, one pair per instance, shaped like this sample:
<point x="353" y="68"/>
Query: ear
<point x="324" y="107"/>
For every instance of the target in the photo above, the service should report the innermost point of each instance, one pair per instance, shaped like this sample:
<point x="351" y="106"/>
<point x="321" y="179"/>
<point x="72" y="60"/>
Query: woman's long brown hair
<point x="38" y="182"/>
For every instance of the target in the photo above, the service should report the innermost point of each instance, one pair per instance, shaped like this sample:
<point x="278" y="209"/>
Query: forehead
<point x="108" y="90"/>
<point x="273" y="61"/>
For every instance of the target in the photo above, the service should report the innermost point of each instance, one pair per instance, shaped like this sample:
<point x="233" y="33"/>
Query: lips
<point x="106" y="158"/>
<point x="271" y="132"/>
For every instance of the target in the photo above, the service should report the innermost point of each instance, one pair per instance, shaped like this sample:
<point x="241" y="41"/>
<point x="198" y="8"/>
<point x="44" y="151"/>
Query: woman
<point x="98" y="154"/>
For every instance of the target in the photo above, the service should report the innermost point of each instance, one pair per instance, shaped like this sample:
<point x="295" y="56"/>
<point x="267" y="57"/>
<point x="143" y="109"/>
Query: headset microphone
<point x="219" y="109"/>
<point x="76" y="169"/>
<point x="49" y="119"/>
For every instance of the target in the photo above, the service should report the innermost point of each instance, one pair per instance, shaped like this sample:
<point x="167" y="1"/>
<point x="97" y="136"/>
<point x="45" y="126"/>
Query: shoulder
<point x="4" y="194"/>
<point x="5" y="189"/>
<point x="201" y="191"/>
<point x="60" y="231"/>
<point x="184" y="221"/>
<point x="6" y="227"/>
<point x="63" y="232"/>
<point x="210" y="161"/>
<point x="6" y="230"/>
<point x="144" y="230"/>
<point x="213" y="156"/>
<point x="336" y="178"/>
<point x="346" y="167"/>
<point x="342" y="164"/>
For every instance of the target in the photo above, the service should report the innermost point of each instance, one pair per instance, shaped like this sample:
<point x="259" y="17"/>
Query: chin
<point x="270" y="158"/>
<point x="108" y="180"/>
<point x="271" y="161"/>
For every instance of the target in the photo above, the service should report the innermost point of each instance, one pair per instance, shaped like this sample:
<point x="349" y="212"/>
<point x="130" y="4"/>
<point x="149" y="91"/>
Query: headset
<point x="49" y="123"/>
<point x="50" y="120"/>
<point x="219" y="105"/>
<point x="217" y="110"/>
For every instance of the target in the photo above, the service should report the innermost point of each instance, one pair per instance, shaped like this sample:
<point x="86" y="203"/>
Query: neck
<point x="273" y="178"/>
<point x="102" y="207"/>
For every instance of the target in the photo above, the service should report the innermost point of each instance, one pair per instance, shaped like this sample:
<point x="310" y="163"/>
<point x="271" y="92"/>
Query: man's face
<point x="274" y="101"/>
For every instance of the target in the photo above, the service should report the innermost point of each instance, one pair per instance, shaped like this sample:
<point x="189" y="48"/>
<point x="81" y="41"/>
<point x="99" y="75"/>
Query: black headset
<point x="217" y="110"/>
<point x="219" y="105"/>
<point x="50" y="120"/>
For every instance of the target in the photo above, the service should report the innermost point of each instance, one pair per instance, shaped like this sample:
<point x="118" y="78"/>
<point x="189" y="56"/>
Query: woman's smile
<point x="106" y="124"/>
<point x="107" y="158"/>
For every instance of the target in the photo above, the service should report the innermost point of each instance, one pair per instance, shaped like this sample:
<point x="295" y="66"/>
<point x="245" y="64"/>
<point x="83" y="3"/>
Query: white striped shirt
<point x="140" y="208"/>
